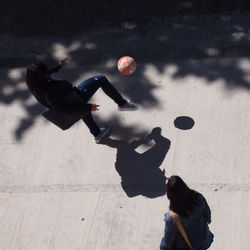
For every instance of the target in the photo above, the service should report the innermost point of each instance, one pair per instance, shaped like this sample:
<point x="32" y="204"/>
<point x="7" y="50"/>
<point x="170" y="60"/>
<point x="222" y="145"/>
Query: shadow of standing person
<point x="141" y="173"/>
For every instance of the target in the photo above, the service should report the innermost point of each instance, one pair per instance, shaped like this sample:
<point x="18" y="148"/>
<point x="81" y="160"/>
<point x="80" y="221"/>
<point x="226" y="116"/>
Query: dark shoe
<point x="129" y="106"/>
<point x="104" y="131"/>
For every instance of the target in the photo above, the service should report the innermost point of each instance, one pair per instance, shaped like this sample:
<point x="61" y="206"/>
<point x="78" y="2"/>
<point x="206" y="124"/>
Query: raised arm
<point x="59" y="65"/>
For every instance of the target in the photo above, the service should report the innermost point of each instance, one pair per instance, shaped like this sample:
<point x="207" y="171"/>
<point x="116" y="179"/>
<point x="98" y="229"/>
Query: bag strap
<point x="180" y="227"/>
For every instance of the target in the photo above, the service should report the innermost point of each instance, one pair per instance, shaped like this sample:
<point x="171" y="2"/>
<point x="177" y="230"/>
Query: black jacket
<point x="61" y="95"/>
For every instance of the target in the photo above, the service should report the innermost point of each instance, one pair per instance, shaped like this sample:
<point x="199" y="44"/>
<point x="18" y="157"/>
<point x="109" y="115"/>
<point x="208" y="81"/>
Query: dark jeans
<point x="88" y="88"/>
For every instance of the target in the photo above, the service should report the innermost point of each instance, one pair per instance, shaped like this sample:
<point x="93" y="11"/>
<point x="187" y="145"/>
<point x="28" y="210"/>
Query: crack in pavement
<point x="78" y="188"/>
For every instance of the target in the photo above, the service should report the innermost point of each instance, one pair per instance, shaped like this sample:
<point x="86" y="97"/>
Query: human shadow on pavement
<point x="141" y="173"/>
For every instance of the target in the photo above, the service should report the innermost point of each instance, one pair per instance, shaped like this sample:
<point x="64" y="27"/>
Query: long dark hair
<point x="36" y="76"/>
<point x="183" y="200"/>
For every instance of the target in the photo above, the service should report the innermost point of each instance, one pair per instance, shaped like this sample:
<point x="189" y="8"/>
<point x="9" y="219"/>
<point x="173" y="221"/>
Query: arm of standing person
<point x="169" y="233"/>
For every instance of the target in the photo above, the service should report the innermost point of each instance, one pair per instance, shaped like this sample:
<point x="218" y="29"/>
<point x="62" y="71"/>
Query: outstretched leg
<point x="91" y="124"/>
<point x="91" y="85"/>
<point x="97" y="132"/>
<point x="88" y="89"/>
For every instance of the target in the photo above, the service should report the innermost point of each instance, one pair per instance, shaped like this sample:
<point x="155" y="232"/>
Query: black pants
<point x="88" y="88"/>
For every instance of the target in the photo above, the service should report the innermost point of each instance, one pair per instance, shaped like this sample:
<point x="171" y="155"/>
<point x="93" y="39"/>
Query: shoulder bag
<point x="180" y="227"/>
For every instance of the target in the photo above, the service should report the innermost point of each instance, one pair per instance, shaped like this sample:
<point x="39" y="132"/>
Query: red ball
<point x="126" y="65"/>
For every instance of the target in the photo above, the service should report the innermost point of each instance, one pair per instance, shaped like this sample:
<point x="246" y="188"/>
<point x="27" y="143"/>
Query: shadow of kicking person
<point x="141" y="173"/>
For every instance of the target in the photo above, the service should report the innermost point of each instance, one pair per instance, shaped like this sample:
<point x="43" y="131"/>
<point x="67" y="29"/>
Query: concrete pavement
<point x="59" y="190"/>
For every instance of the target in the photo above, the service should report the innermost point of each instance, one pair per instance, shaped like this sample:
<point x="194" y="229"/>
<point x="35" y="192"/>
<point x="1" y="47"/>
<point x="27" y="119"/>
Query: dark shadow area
<point x="64" y="17"/>
<point x="184" y="122"/>
<point x="140" y="172"/>
<point x="18" y="93"/>
<point x="160" y="34"/>
<point x="230" y="72"/>
<point x="25" y="123"/>
<point x="119" y="130"/>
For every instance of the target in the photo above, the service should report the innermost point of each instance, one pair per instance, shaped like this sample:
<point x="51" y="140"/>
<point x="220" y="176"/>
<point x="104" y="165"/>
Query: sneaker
<point x="129" y="106"/>
<point x="104" y="131"/>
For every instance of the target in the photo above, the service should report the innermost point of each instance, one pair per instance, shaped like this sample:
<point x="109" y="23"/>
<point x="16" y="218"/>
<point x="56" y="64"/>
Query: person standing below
<point x="63" y="96"/>
<point x="194" y="214"/>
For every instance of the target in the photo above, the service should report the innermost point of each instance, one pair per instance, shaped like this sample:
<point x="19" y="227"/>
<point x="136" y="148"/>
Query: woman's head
<point x="182" y="198"/>
<point x="37" y="75"/>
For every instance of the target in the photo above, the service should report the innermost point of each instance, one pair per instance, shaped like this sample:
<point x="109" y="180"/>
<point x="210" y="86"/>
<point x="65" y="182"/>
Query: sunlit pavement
<point x="59" y="190"/>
